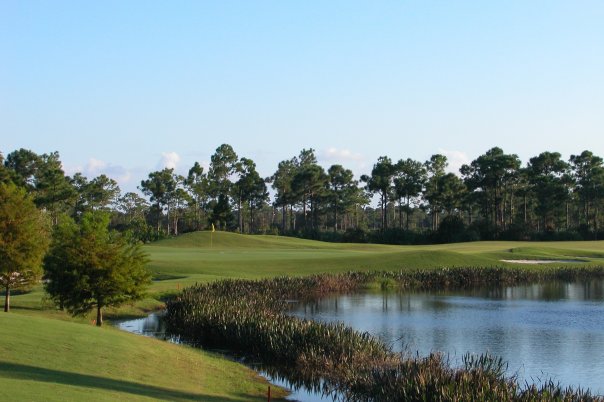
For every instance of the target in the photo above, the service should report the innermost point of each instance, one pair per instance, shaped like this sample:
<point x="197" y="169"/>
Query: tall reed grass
<point x="251" y="317"/>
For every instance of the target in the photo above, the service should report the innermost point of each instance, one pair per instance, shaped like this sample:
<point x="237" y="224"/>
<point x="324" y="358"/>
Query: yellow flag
<point x="213" y="230"/>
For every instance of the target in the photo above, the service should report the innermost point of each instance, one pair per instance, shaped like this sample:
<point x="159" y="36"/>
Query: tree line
<point x="493" y="197"/>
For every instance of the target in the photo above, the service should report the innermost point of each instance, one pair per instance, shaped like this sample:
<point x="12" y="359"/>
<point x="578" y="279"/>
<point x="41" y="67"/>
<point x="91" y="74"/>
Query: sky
<point x="128" y="87"/>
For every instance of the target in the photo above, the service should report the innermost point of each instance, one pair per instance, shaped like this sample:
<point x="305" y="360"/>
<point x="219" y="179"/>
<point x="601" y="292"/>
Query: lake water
<point x="553" y="330"/>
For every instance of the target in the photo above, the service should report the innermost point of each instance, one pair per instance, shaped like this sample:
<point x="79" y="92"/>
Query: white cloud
<point x="119" y="174"/>
<point x="94" y="167"/>
<point x="169" y="160"/>
<point x="337" y="155"/>
<point x="456" y="159"/>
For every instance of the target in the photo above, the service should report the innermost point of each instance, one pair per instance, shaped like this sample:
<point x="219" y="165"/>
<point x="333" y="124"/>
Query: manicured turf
<point x="202" y="256"/>
<point x="45" y="359"/>
<point x="47" y="355"/>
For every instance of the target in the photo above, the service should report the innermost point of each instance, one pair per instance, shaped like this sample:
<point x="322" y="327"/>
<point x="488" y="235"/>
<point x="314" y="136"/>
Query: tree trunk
<point x="596" y="228"/>
<point x="304" y="211"/>
<point x="335" y="219"/>
<point x="407" y="213"/>
<point x="384" y="211"/>
<point x="158" y="218"/>
<point x="240" y="215"/>
<point x="525" y="212"/>
<point x="99" y="315"/>
<point x="400" y="213"/>
<point x="251" y="226"/>
<point x="168" y="218"/>
<point x="7" y="299"/>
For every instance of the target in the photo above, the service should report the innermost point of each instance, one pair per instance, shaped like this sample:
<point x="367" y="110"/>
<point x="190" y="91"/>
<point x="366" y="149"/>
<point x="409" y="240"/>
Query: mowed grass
<point x="203" y="256"/>
<point x="43" y="359"/>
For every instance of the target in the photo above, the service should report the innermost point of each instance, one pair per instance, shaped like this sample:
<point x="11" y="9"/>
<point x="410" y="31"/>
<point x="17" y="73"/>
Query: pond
<point x="553" y="330"/>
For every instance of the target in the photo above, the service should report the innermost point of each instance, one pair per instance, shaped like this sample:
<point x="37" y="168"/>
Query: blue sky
<point x="127" y="87"/>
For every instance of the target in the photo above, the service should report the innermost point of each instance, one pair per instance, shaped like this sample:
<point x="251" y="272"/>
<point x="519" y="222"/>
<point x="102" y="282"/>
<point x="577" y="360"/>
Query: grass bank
<point x="44" y="359"/>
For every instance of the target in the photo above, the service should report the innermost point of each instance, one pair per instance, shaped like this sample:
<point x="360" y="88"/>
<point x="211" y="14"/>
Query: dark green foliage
<point x="380" y="182"/>
<point x="23" y="240"/>
<point x="452" y="230"/>
<point x="494" y="197"/>
<point x="221" y="214"/>
<point x="159" y="187"/>
<point x="251" y="317"/>
<point x="90" y="267"/>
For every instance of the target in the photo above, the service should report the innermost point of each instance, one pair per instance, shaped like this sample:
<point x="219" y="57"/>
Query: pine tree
<point x="23" y="240"/>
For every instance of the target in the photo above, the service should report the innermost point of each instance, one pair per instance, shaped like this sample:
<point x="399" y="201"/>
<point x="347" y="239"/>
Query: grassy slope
<point x="59" y="359"/>
<point x="45" y="359"/>
<point x="189" y="258"/>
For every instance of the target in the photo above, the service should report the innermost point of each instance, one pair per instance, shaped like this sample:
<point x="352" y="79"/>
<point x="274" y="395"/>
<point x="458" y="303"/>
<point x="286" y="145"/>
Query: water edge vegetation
<point x="251" y="317"/>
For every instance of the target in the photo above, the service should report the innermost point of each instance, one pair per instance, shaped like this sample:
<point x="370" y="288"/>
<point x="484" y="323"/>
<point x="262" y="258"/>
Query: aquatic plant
<point x="251" y="317"/>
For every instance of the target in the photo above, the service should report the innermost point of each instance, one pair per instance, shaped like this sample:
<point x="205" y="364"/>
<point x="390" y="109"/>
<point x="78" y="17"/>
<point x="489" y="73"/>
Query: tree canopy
<point x="23" y="240"/>
<point x="492" y="197"/>
<point x="90" y="267"/>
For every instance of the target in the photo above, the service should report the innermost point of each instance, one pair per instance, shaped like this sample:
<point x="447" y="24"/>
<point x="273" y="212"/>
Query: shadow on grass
<point x="24" y="372"/>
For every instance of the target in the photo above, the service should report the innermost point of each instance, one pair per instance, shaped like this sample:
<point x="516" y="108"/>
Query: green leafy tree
<point x="90" y="267"/>
<point x="23" y="165"/>
<point x="198" y="186"/>
<point x="380" y="182"/>
<point x="547" y="176"/>
<point x="341" y="192"/>
<point x="308" y="184"/>
<point x="102" y="192"/>
<point x="23" y="240"/>
<point x="409" y="181"/>
<point x="282" y="184"/>
<point x="160" y="187"/>
<point x="98" y="194"/>
<point x="43" y="177"/>
<point x="452" y="191"/>
<point x="433" y="192"/>
<point x="493" y="178"/>
<point x="223" y="164"/>
<point x="5" y="174"/>
<point x="250" y="190"/>
<point x="133" y="210"/>
<point x="53" y="191"/>
<point x="588" y="172"/>
<point x="133" y="206"/>
<point x="178" y="203"/>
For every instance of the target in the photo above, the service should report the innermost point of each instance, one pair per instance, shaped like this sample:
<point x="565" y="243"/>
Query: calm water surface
<point x="553" y="330"/>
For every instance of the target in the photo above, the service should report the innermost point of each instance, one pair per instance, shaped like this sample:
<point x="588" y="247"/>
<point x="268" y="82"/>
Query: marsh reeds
<point x="251" y="317"/>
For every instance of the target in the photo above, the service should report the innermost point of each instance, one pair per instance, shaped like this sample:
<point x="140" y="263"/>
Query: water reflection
<point x="553" y="330"/>
<point x="548" y="330"/>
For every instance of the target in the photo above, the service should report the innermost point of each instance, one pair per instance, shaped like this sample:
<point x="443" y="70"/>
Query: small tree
<point x="23" y="240"/>
<point x="89" y="267"/>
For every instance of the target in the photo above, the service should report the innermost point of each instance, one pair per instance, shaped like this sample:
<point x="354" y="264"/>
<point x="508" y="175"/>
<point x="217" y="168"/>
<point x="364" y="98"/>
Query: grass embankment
<point x="44" y="359"/>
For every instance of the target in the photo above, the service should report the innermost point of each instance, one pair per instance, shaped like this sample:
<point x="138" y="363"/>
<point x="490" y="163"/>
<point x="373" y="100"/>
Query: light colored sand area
<point x="539" y="261"/>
